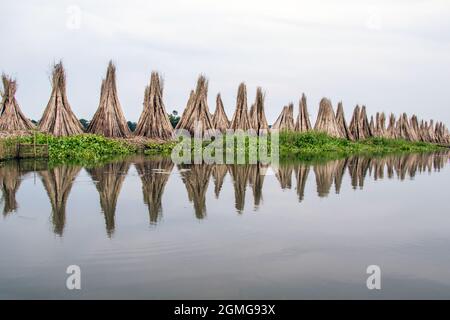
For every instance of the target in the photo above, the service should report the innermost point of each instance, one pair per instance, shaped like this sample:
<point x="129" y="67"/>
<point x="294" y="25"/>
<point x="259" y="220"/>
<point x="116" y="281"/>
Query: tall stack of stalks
<point x="257" y="118"/>
<point x="380" y="125"/>
<point x="154" y="122"/>
<point x="109" y="119"/>
<point x="240" y="118"/>
<point x="404" y="129"/>
<point x="220" y="119"/>
<point x="58" y="118"/>
<point x="359" y="125"/>
<point x="326" y="120"/>
<point x="391" y="131"/>
<point x="303" y="124"/>
<point x="414" y="123"/>
<point x="285" y="121"/>
<point x="197" y="111"/>
<point x="342" y="124"/>
<point x="11" y="117"/>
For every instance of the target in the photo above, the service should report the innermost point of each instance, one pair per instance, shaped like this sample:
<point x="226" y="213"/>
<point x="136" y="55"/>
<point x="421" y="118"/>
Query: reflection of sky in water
<point x="227" y="231"/>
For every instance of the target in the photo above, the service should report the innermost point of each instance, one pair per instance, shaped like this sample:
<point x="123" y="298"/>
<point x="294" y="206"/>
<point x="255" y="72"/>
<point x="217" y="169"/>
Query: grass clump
<point x="82" y="148"/>
<point x="320" y="144"/>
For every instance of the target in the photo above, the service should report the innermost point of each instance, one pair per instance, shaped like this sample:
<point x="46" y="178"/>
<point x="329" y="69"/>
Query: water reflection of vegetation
<point x="155" y="172"/>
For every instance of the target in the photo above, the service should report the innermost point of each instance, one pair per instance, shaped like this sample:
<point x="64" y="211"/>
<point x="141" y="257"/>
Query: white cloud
<point x="392" y="56"/>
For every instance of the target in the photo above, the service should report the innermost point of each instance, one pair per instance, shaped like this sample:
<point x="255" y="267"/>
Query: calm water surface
<point x="146" y="228"/>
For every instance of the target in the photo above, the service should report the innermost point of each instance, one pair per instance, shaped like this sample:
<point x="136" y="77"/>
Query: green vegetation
<point x="86" y="148"/>
<point x="319" y="145"/>
<point x="89" y="148"/>
<point x="314" y="144"/>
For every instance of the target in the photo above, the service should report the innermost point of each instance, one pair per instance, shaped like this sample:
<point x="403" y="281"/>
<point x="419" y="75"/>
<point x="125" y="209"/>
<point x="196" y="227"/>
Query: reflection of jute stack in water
<point x="358" y="168"/>
<point x="301" y="174"/>
<point x="378" y="168"/>
<point x="219" y="172"/>
<point x="239" y="174"/>
<point x="58" y="118"/>
<point x="284" y="175"/>
<point x="325" y="174"/>
<point x="341" y="166"/>
<point x="154" y="122"/>
<point x="196" y="179"/>
<point x="256" y="176"/>
<point x="109" y="119"/>
<point x="108" y="180"/>
<point x="10" y="175"/>
<point x="11" y="117"/>
<point x="154" y="175"/>
<point x="58" y="182"/>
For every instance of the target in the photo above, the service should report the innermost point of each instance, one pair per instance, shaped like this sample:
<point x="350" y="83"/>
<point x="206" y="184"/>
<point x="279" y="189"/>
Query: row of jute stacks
<point x="109" y="120"/>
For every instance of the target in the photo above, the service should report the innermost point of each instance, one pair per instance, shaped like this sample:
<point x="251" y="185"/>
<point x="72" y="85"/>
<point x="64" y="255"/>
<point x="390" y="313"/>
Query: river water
<point x="144" y="228"/>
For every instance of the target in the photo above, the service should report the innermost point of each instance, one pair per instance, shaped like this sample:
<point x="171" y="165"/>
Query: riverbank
<point x="320" y="145"/>
<point x="88" y="148"/>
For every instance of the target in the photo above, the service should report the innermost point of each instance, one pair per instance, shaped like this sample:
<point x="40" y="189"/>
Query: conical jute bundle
<point x="380" y="125"/>
<point x="285" y="121"/>
<point x="186" y="111"/>
<point x="303" y="124"/>
<point x="404" y="129"/>
<point x="240" y="118"/>
<point x="431" y="131"/>
<point x="58" y="118"/>
<point x="258" y="120"/>
<point x="326" y="120"/>
<point x="359" y="125"/>
<point x="441" y="133"/>
<point x="414" y="122"/>
<point x="423" y="131"/>
<point x="372" y="125"/>
<point x="11" y="117"/>
<point x="342" y="124"/>
<point x="109" y="119"/>
<point x="154" y="122"/>
<point x="391" y="131"/>
<point x="220" y="119"/>
<point x="197" y="116"/>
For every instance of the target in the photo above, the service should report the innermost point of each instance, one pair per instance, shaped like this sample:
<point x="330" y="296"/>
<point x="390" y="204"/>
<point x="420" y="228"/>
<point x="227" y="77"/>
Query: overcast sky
<point x="392" y="56"/>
